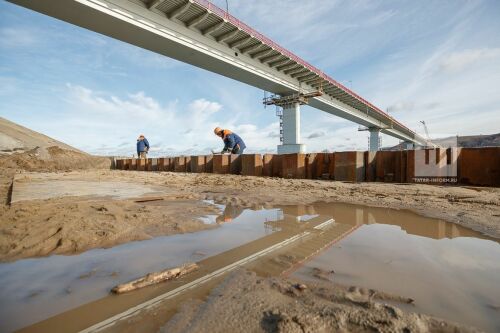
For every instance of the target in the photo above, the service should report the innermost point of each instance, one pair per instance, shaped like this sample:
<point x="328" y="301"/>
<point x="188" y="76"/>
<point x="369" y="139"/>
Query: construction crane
<point x="426" y="130"/>
<point x="429" y="141"/>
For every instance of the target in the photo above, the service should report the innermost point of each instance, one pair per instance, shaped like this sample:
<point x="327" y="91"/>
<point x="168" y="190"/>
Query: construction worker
<point x="232" y="142"/>
<point x="230" y="212"/>
<point x="142" y="146"/>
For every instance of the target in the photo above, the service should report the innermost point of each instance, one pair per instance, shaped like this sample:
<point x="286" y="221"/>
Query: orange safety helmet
<point x="217" y="130"/>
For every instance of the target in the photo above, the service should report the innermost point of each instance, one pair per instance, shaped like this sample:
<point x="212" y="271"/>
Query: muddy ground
<point x="73" y="224"/>
<point x="245" y="302"/>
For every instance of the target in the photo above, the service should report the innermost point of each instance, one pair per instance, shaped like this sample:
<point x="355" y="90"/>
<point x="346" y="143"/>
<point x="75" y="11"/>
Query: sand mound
<point x="16" y="138"/>
<point x="52" y="159"/>
<point x="24" y="149"/>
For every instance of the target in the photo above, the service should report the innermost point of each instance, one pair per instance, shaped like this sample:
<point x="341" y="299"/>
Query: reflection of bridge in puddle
<point x="258" y="253"/>
<point x="298" y="234"/>
<point x="355" y="215"/>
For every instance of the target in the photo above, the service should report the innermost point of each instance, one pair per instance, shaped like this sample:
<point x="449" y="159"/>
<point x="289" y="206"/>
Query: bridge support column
<point x="291" y="130"/>
<point x="374" y="138"/>
<point x="408" y="145"/>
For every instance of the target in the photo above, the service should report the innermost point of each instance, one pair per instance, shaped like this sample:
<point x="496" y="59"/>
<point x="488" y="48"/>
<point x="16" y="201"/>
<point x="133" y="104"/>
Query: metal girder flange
<point x="178" y="10"/>
<point x="279" y="62"/>
<point x="198" y="19"/>
<point x="262" y="53"/>
<point x="302" y="77"/>
<point x="295" y="70"/>
<point x="227" y="35"/>
<point x="287" y="66"/>
<point x="250" y="47"/>
<point x="270" y="58"/>
<point x="213" y="28"/>
<point x="240" y="41"/>
<point x="300" y="73"/>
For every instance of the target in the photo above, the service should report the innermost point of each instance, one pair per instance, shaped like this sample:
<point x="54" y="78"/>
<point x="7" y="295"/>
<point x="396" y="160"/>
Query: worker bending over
<point x="232" y="142"/>
<point x="142" y="146"/>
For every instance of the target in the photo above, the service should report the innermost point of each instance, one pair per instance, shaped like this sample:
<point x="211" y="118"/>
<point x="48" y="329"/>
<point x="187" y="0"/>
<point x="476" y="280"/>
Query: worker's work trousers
<point x="237" y="150"/>
<point x="143" y="154"/>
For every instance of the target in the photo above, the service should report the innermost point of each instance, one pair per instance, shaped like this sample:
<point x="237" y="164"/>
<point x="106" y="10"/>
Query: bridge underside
<point x="198" y="33"/>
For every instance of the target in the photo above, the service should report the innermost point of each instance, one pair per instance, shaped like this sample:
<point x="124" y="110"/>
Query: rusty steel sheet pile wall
<point x="251" y="165"/>
<point x="267" y="165"/>
<point x="235" y="164"/>
<point x="293" y="166"/>
<point x="467" y="166"/>
<point x="320" y="165"/>
<point x="479" y="166"/>
<point x="163" y="164"/>
<point x="198" y="164"/>
<point x="386" y="166"/>
<point x="349" y="166"/>
<point x="120" y="164"/>
<point x="209" y="164"/>
<point x="220" y="164"/>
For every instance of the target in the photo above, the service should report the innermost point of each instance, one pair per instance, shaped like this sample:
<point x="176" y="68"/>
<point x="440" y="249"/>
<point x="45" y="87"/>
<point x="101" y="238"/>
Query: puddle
<point x="35" y="289"/>
<point x="450" y="271"/>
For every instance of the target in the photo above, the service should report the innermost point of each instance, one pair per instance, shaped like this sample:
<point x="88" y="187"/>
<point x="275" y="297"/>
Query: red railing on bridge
<point x="265" y="40"/>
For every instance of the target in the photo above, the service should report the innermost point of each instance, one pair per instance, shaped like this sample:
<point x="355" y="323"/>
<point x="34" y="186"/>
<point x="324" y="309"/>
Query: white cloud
<point x="171" y="128"/>
<point x="458" y="61"/>
<point x="451" y="83"/>
<point x="203" y="108"/>
<point x="460" y="258"/>
<point x="137" y="106"/>
<point x="422" y="61"/>
<point x="322" y="32"/>
<point x="401" y="106"/>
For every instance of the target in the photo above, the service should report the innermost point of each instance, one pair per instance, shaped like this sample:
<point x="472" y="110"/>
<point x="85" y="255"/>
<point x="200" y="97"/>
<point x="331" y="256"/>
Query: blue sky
<point x="437" y="61"/>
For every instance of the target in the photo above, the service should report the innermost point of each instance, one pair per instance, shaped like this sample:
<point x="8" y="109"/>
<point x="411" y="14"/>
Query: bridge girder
<point x="172" y="32"/>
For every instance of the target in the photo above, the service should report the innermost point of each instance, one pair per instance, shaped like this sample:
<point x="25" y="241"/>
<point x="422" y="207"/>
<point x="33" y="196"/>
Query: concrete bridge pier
<point x="408" y="145"/>
<point x="291" y="130"/>
<point x="374" y="138"/>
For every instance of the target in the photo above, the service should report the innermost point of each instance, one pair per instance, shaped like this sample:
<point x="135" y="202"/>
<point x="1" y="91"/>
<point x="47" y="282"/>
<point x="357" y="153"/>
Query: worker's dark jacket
<point x="231" y="140"/>
<point x="142" y="145"/>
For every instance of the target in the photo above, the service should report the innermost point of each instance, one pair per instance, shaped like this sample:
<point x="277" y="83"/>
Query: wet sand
<point x="54" y="216"/>
<point x="245" y="302"/>
<point x="327" y="227"/>
<point x="66" y="225"/>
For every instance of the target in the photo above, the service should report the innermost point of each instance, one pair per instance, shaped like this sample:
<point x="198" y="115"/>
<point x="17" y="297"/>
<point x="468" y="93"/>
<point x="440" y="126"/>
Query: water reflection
<point x="410" y="222"/>
<point x="230" y="213"/>
<point x="34" y="289"/>
<point x="451" y="272"/>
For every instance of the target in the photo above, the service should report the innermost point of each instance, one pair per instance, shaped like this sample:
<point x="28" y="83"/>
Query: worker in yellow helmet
<point x="232" y="142"/>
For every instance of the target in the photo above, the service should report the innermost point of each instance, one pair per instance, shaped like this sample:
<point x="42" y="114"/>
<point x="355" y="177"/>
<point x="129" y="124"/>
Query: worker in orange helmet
<point x="232" y="142"/>
<point x="230" y="212"/>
